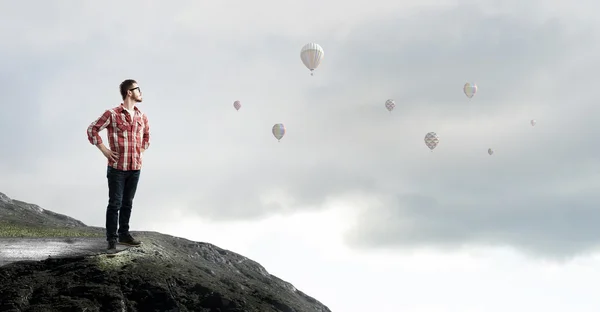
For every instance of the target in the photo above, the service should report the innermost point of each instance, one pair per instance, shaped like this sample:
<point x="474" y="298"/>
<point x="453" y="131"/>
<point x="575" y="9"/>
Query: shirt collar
<point x="121" y="108"/>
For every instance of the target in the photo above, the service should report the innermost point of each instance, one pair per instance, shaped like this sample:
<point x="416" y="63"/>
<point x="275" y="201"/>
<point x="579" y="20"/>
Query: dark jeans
<point x="121" y="190"/>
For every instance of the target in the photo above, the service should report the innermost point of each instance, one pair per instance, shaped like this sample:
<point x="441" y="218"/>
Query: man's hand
<point x="143" y="150"/>
<point x="110" y="155"/>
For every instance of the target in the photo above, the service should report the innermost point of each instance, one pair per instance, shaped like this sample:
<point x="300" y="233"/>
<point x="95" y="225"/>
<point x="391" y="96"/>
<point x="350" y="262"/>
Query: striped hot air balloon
<point x="311" y="55"/>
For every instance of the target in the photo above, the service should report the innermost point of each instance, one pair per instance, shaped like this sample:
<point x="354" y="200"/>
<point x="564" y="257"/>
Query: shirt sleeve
<point x="95" y="127"/>
<point x="146" y="138"/>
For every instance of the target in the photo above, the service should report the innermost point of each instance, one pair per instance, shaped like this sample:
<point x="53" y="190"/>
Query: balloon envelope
<point x="431" y="140"/>
<point x="470" y="89"/>
<point x="237" y="105"/>
<point x="311" y="55"/>
<point x="278" y="131"/>
<point x="390" y="104"/>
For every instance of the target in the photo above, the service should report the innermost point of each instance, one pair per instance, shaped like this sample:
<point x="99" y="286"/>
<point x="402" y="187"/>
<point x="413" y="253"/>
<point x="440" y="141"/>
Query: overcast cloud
<point x="61" y="67"/>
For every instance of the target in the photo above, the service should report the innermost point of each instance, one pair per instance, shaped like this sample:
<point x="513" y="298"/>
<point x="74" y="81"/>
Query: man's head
<point x="130" y="89"/>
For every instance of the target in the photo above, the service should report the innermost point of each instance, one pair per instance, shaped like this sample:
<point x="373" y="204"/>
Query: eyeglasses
<point x="136" y="88"/>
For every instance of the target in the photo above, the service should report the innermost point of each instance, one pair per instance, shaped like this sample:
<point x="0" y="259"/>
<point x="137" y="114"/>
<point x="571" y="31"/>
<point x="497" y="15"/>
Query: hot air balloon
<point x="533" y="122"/>
<point x="278" y="131"/>
<point x="490" y="151"/>
<point x="470" y="89"/>
<point x="237" y="105"/>
<point x="390" y="104"/>
<point x="431" y="140"/>
<point x="311" y="55"/>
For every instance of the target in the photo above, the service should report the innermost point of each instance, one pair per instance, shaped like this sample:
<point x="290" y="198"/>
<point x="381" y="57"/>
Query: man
<point x="128" y="137"/>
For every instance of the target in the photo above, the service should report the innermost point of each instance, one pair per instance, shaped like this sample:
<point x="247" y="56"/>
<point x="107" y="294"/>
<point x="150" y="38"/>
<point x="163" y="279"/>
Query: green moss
<point x="107" y="263"/>
<point x="29" y="230"/>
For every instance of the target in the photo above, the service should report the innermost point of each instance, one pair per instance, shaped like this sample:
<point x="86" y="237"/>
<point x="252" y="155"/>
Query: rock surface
<point x="166" y="273"/>
<point x="18" y="211"/>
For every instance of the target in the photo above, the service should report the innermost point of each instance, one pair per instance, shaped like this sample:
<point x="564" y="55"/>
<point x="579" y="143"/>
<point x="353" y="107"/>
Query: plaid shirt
<point x="126" y="135"/>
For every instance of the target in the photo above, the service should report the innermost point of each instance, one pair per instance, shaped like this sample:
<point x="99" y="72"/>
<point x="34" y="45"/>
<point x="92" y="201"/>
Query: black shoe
<point x="112" y="246"/>
<point x="128" y="240"/>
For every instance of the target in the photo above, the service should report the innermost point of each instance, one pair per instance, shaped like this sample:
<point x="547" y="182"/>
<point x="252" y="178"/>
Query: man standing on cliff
<point x="128" y="138"/>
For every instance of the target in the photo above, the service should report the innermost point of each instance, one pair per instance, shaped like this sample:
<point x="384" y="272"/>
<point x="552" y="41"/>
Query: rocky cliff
<point x="165" y="274"/>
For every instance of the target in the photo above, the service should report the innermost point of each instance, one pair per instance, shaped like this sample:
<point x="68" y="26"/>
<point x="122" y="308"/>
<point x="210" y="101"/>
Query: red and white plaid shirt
<point x="127" y="136"/>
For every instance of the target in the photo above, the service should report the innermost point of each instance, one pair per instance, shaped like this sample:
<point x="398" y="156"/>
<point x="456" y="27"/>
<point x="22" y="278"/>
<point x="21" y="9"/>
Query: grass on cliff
<point x="11" y="229"/>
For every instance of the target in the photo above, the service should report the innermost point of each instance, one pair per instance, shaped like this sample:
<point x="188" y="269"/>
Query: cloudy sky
<point x="351" y="206"/>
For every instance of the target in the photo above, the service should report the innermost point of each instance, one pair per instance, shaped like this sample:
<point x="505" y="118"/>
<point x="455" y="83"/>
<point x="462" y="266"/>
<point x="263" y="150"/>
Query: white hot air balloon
<point x="470" y="89"/>
<point x="278" y="131"/>
<point x="311" y="55"/>
<point x="533" y="122"/>
<point x="237" y="105"/>
<point x="490" y="151"/>
<point x="390" y="104"/>
<point x="431" y="140"/>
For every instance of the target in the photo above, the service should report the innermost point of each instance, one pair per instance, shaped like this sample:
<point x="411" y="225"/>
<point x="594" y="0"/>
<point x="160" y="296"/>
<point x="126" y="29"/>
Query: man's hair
<point x="125" y="86"/>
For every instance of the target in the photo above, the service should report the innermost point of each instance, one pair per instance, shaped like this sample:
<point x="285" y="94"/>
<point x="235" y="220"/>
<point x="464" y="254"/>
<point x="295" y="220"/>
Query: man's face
<point x="135" y="93"/>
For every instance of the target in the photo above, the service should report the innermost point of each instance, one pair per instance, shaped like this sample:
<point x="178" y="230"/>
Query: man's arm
<point x="95" y="127"/>
<point x="146" y="138"/>
<point x="94" y="137"/>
